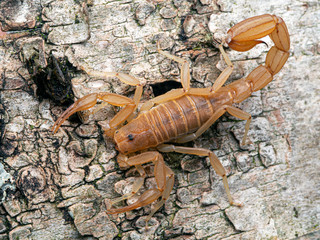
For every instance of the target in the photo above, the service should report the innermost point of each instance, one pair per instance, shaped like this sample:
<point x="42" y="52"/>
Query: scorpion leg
<point x="175" y="93"/>
<point x="185" y="80"/>
<point x="164" y="178"/>
<point x="135" y="187"/>
<point x="165" y="194"/>
<point x="215" y="163"/>
<point x="185" y="71"/>
<point x="236" y="112"/>
<point x="223" y="77"/>
<point x="171" y="95"/>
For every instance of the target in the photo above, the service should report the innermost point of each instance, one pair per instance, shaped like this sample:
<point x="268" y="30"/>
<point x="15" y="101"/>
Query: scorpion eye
<point x="130" y="137"/>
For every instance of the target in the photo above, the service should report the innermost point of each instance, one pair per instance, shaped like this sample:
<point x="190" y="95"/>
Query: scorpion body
<point x="174" y="119"/>
<point x="182" y="115"/>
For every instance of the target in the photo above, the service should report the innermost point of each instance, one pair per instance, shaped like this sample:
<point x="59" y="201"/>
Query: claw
<point x="81" y="104"/>
<point x="90" y="100"/>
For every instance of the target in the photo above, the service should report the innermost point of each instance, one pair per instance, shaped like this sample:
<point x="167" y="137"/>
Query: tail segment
<point x="244" y="36"/>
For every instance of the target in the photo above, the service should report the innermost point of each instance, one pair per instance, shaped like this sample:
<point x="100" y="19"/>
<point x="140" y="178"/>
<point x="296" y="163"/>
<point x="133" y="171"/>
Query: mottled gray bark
<point x="54" y="186"/>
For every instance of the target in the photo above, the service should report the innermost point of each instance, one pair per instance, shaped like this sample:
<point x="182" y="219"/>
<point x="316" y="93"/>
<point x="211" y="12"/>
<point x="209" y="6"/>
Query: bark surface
<point x="54" y="186"/>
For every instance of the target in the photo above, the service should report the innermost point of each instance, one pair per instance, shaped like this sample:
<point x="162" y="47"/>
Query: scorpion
<point x="182" y="115"/>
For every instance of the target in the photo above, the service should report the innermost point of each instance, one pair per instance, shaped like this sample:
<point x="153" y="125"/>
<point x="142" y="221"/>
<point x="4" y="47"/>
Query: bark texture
<point x="54" y="186"/>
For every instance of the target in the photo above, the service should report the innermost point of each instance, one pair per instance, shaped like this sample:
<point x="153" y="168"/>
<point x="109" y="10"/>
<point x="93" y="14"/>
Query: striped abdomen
<point x="178" y="117"/>
<point x="183" y="115"/>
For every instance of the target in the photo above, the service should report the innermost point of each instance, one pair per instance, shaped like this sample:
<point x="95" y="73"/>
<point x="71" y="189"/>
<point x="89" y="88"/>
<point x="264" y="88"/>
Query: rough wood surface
<point x="53" y="186"/>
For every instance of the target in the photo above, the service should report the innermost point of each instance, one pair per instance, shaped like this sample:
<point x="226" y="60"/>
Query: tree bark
<point x="54" y="186"/>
